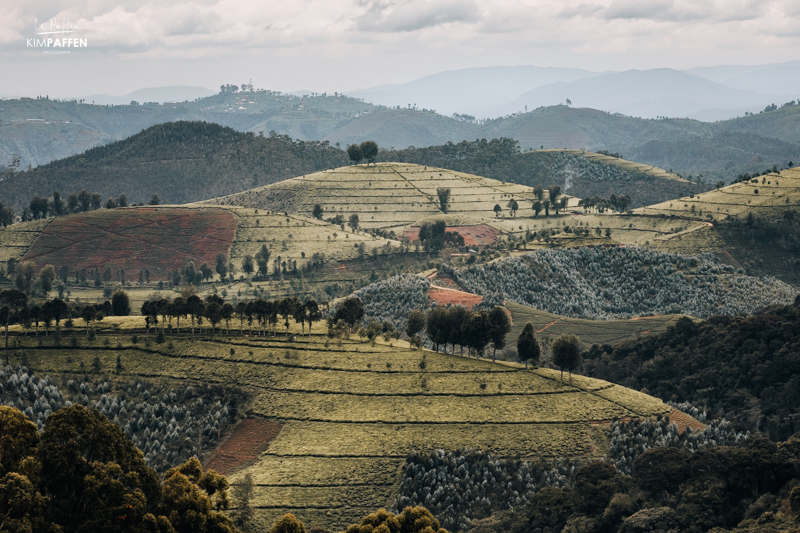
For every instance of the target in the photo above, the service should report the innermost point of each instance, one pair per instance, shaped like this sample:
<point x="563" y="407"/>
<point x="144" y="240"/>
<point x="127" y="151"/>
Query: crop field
<point x="331" y="421"/>
<point x="769" y="196"/>
<point x="17" y="238"/>
<point x="298" y="238"/>
<point x="155" y="239"/>
<point x="549" y="326"/>
<point x="389" y="196"/>
<point x="247" y="441"/>
<point x="444" y="296"/>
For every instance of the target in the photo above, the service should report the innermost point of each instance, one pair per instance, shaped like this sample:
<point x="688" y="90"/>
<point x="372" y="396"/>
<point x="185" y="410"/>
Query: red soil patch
<point x="156" y="239"/>
<point x="474" y="236"/>
<point x="443" y="296"/>
<point x="683" y="420"/>
<point x="445" y="281"/>
<point x="249" y="439"/>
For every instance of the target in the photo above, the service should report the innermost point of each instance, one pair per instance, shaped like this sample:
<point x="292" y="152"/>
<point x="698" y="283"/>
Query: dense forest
<point x="752" y="487"/>
<point x="745" y="368"/>
<point x="502" y="159"/>
<point x="179" y="161"/>
<point x="622" y="282"/>
<point x="718" y="157"/>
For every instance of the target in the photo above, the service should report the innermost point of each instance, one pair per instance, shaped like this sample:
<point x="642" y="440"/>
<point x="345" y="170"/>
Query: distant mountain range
<point x="174" y="93"/>
<point x="704" y="93"/>
<point x="43" y="130"/>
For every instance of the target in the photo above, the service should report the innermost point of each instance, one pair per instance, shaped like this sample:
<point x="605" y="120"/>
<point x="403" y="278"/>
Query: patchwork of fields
<point x="339" y="417"/>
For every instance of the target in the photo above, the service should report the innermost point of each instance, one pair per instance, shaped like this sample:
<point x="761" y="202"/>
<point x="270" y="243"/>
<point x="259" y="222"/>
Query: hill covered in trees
<point x="745" y="368"/>
<point x="622" y="282"/>
<point x="180" y="161"/>
<point x="578" y="173"/>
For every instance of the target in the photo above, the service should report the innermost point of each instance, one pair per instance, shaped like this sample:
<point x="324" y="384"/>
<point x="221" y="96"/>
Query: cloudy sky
<point x="341" y="45"/>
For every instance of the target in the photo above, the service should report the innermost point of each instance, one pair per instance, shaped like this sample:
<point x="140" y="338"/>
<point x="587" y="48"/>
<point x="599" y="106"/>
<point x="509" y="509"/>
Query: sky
<point x="342" y="45"/>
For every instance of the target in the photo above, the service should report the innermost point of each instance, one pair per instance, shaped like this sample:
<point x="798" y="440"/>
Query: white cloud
<point x="411" y="15"/>
<point x="310" y="43"/>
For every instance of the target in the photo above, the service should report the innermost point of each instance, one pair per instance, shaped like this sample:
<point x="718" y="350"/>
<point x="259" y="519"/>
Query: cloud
<point x="411" y="15"/>
<point x="581" y="10"/>
<point x="637" y="9"/>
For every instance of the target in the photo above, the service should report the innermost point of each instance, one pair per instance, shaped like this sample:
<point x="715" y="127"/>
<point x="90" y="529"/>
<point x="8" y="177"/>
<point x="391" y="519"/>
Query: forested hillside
<point x="746" y="368"/>
<point x="180" y="161"/>
<point x="622" y="282"/>
<point x="718" y="157"/>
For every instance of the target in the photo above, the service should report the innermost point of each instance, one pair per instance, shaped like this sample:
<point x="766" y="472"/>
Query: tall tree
<point x="222" y="266"/>
<point x="499" y="325"/>
<point x="354" y="153"/>
<point x="567" y="354"/>
<point x="13" y="300"/>
<point x="317" y="212"/>
<point x="527" y="345"/>
<point x="444" y="198"/>
<point x="314" y="313"/>
<point x="47" y="277"/>
<point x="120" y="303"/>
<point x="353" y="222"/>
<point x="350" y="311"/>
<point x="369" y="150"/>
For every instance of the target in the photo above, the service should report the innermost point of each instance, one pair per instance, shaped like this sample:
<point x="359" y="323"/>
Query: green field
<point x="351" y="411"/>
<point x="549" y="326"/>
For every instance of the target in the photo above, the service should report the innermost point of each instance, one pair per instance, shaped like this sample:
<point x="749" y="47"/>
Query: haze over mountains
<point x="703" y="93"/>
<point x="601" y="115"/>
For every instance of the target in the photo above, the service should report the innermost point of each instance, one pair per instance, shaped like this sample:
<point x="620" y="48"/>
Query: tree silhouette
<point x="527" y="345"/>
<point x="353" y="222"/>
<point x="317" y="212"/>
<point x="354" y="153"/>
<point x="499" y="325"/>
<point x="369" y="150"/>
<point x="444" y="198"/>
<point x="567" y="354"/>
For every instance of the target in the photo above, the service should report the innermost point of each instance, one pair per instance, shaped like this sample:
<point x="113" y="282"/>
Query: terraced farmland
<point x="768" y="196"/>
<point x="351" y="412"/>
<point x="388" y="196"/>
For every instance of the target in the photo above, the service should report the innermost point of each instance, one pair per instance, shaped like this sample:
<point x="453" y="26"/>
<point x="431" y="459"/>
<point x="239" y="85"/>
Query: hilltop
<point x="179" y="161"/>
<point x="578" y="172"/>
<point x="386" y="196"/>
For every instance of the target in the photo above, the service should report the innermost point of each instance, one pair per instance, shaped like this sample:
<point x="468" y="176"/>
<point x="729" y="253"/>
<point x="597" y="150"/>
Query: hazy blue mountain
<point x="174" y="93"/>
<point x="780" y="79"/>
<point x="474" y="91"/>
<point x="647" y="94"/>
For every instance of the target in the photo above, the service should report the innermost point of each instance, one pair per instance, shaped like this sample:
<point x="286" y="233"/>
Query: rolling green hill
<point x="180" y="161"/>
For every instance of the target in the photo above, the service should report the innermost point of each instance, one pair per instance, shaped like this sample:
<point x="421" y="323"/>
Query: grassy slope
<point x="549" y="326"/>
<point x="352" y="411"/>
